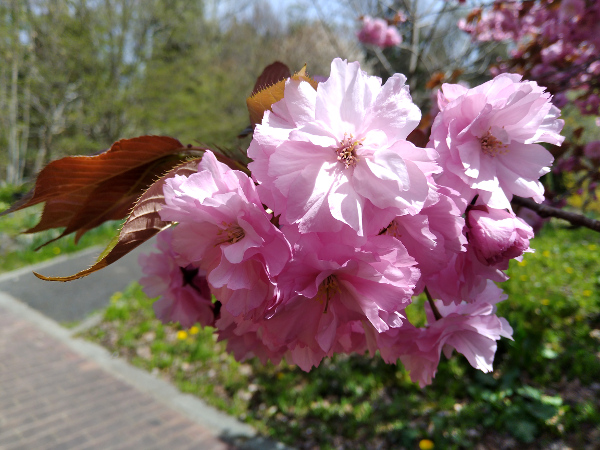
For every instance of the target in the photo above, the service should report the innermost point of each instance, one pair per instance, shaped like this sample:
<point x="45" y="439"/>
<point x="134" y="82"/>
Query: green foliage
<point x="544" y="388"/>
<point x="90" y="73"/>
<point x="10" y="194"/>
<point x="18" y="250"/>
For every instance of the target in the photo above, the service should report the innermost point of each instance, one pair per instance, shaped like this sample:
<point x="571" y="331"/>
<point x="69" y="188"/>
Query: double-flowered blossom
<point x="433" y="235"/>
<point x="470" y="328"/>
<point x="487" y="138"/>
<point x="224" y="229"/>
<point x="376" y="31"/>
<point x="343" y="221"/>
<point x="185" y="295"/>
<point x="339" y="155"/>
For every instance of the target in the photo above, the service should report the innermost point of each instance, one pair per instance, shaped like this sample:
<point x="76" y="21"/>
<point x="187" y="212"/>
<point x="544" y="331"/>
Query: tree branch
<point x="576" y="219"/>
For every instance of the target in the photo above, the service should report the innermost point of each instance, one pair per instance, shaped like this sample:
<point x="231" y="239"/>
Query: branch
<point x="576" y="219"/>
<point x="383" y="60"/>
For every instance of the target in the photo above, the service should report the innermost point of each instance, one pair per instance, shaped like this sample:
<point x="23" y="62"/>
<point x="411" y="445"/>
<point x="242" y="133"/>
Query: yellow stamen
<point x="347" y="151"/>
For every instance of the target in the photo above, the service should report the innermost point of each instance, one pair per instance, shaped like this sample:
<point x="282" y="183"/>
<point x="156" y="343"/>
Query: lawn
<point x="545" y="390"/>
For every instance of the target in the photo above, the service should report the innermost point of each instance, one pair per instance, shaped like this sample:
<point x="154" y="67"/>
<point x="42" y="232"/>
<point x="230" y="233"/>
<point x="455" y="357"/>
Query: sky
<point x="283" y="9"/>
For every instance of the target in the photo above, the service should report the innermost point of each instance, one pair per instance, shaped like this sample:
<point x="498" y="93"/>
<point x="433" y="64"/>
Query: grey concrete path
<point x="72" y="301"/>
<point x="60" y="392"/>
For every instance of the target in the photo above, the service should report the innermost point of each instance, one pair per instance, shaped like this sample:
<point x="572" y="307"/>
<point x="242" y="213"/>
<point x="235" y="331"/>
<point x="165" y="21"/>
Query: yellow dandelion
<point x="546" y="254"/>
<point x="522" y="263"/>
<point x="587" y="293"/>
<point x="182" y="334"/>
<point x="569" y="270"/>
<point x="426" y="444"/>
<point x="523" y="277"/>
<point x="56" y="250"/>
<point x="545" y="302"/>
<point x="194" y="330"/>
<point x="592" y="247"/>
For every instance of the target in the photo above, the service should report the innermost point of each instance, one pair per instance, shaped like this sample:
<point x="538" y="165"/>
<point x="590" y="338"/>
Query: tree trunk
<point x="40" y="158"/>
<point x="25" y="130"/>
<point x="12" y="169"/>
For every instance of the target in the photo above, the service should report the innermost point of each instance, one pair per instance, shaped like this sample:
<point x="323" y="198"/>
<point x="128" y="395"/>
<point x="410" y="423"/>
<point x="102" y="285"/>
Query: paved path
<point x="73" y="301"/>
<point x="59" y="392"/>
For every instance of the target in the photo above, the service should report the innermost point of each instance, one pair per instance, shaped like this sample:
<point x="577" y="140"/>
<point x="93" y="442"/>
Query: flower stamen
<point x="492" y="146"/>
<point x="327" y="289"/>
<point x="347" y="151"/>
<point x="230" y="234"/>
<point x="391" y="230"/>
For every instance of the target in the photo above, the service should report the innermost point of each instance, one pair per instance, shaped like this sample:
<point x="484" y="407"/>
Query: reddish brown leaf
<point x="417" y="137"/>
<point x="474" y="16"/>
<point x="114" y="198"/>
<point x="81" y="192"/>
<point x="436" y="80"/>
<point x="143" y="223"/>
<point x="272" y="74"/>
<point x="261" y="101"/>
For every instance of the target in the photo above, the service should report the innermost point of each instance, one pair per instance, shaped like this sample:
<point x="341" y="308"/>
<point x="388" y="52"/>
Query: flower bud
<point x="496" y="235"/>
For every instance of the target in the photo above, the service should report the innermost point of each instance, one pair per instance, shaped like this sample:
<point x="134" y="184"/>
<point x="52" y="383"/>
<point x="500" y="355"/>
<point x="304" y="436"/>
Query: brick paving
<point x="53" y="398"/>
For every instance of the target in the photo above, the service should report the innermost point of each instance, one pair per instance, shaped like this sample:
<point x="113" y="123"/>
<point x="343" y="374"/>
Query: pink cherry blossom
<point x="463" y="278"/>
<point x="339" y="155"/>
<point x="470" y="328"/>
<point x="244" y="339"/>
<point x="344" y="221"/>
<point x="224" y="229"/>
<point x="185" y="295"/>
<point x="342" y="283"/>
<point x="565" y="34"/>
<point x="376" y="31"/>
<point x="487" y="140"/>
<point x="433" y="235"/>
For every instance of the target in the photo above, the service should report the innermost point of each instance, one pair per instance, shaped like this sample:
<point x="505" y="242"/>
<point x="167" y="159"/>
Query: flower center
<point x="230" y="234"/>
<point x="492" y="146"/>
<point x="392" y="230"/>
<point x="189" y="273"/>
<point x="346" y="152"/>
<point x="328" y="288"/>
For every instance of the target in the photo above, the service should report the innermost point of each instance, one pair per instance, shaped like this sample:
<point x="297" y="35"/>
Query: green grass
<point x="18" y="249"/>
<point x="544" y="389"/>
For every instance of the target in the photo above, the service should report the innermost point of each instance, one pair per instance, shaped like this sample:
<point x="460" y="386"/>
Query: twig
<point x="576" y="219"/>
<point x="434" y="309"/>
<point x="383" y="60"/>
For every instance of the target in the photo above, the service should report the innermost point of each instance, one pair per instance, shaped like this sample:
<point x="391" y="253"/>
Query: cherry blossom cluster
<point x="343" y="222"/>
<point x="555" y="42"/>
<point x="377" y="32"/>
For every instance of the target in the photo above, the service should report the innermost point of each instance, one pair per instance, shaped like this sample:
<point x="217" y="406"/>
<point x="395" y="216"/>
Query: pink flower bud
<point x="497" y="235"/>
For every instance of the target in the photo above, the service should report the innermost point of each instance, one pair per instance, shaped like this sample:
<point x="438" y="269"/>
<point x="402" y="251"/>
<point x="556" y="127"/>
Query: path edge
<point x="219" y="423"/>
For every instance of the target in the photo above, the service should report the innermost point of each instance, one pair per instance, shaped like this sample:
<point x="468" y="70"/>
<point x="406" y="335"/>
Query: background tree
<point x="87" y="73"/>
